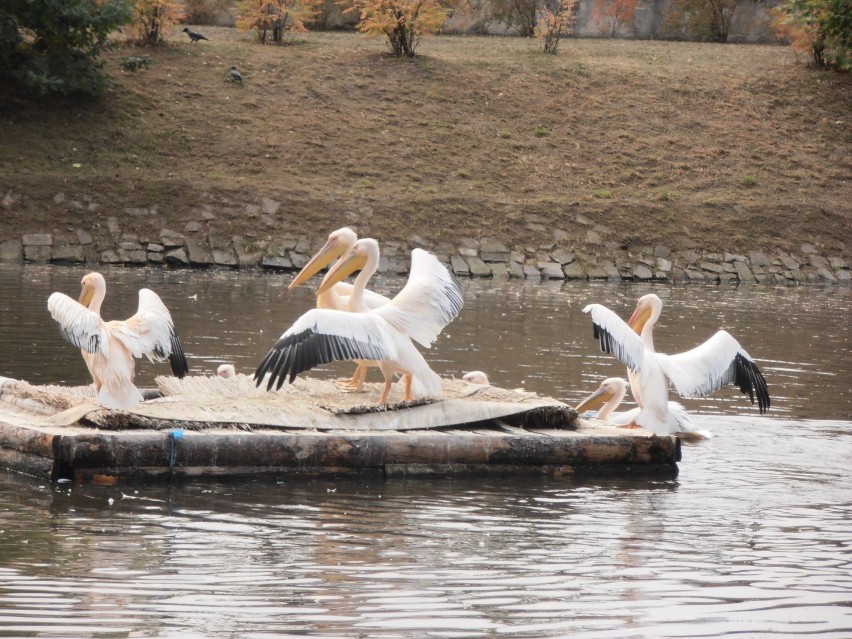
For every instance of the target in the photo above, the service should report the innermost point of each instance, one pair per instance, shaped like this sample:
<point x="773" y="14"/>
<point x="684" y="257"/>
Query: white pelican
<point x="339" y="297"/>
<point x="611" y="393"/>
<point x="226" y="371"/>
<point x="476" y="377"/>
<point x="429" y="301"/>
<point x="719" y="361"/>
<point x="109" y="348"/>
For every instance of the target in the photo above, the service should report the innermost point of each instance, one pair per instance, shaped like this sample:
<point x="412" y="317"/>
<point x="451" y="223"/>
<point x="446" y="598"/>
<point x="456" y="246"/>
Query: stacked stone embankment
<point x="562" y="258"/>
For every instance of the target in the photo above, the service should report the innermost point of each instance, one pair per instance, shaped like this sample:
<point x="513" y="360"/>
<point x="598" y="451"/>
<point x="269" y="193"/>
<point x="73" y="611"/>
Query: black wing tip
<point x="177" y="358"/>
<point x="751" y="382"/>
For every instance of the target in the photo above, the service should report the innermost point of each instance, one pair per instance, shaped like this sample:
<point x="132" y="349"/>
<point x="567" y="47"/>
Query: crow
<point x="236" y="76"/>
<point x="194" y="35"/>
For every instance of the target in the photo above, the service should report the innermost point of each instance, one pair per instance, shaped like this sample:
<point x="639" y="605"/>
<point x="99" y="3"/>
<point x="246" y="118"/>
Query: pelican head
<point x="364" y="251"/>
<point x="338" y="243"/>
<point x="609" y="388"/>
<point x="93" y="289"/>
<point x="476" y="377"/>
<point x="226" y="371"/>
<point x="648" y="309"/>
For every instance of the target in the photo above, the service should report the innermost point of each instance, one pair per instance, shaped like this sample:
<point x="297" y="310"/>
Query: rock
<point x="807" y="248"/>
<point x="818" y="261"/>
<point x="499" y="270"/>
<point x="789" y="263"/>
<point x="37" y="239"/>
<point x="110" y="257"/>
<point x="758" y="259"/>
<point x="152" y="247"/>
<point x="68" y="254"/>
<point x="59" y="198"/>
<point x="269" y="206"/>
<point x="733" y="257"/>
<point x="252" y="210"/>
<point x="561" y="236"/>
<point x="466" y="251"/>
<point x="469" y="242"/>
<point x="198" y="253"/>
<point x="691" y="257"/>
<point x="582" y="219"/>
<point x="593" y="237"/>
<point x="517" y="256"/>
<point x="838" y="263"/>
<point x="299" y="259"/>
<point x="598" y="273"/>
<point x="129" y="246"/>
<point x="177" y="256"/>
<point x="113" y="227"/>
<point x="492" y="245"/>
<point x="662" y="251"/>
<point x="247" y="253"/>
<point x="744" y="273"/>
<point x="134" y="256"/>
<point x="478" y="268"/>
<point x="225" y="257"/>
<point x="516" y="269"/>
<point x="531" y="272"/>
<point x="826" y="275"/>
<point x="711" y="267"/>
<point x="138" y="211"/>
<point x="574" y="271"/>
<point x="171" y="239"/>
<point x="551" y="270"/>
<point x="459" y="266"/>
<point x="664" y="265"/>
<point x="84" y="237"/>
<point x="276" y="263"/>
<point x="11" y="251"/>
<point x="642" y="272"/>
<point x="156" y="258"/>
<point x="192" y="227"/>
<point x="37" y="253"/>
<point x="843" y="277"/>
<point x="562" y="256"/>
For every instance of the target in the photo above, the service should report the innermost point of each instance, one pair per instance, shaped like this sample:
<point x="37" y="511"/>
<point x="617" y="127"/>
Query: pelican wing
<point x="78" y="324"/>
<point x="715" y="363"/>
<point x="431" y="299"/>
<point x="616" y="337"/>
<point x="151" y="332"/>
<point x="371" y="298"/>
<point x="321" y="336"/>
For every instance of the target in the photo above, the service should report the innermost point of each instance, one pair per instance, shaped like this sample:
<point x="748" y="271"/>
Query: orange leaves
<point x="556" y="20"/>
<point x="151" y="18"/>
<point x="402" y="22"/>
<point x="613" y="15"/>
<point x="272" y="19"/>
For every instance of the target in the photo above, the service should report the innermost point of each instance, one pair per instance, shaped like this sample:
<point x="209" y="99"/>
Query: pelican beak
<point x="330" y="251"/>
<point x="355" y="262"/>
<point x="86" y="294"/>
<point x="639" y="318"/>
<point x="595" y="400"/>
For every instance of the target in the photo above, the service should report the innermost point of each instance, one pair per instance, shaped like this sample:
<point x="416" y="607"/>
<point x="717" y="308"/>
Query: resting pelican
<point x="609" y="396"/>
<point x="339" y="297"/>
<point x="429" y="301"/>
<point x="109" y="348"/>
<point x="719" y="361"/>
<point x="476" y="377"/>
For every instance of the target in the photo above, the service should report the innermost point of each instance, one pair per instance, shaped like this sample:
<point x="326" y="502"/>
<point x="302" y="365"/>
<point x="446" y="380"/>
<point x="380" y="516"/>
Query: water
<point x="753" y="538"/>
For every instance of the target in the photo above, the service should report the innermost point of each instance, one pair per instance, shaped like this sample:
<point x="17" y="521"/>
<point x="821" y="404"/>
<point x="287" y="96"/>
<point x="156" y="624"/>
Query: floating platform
<point x="214" y="427"/>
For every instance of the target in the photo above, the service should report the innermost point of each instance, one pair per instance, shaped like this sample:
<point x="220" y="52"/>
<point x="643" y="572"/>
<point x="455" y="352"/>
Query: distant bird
<point x="194" y="35"/>
<point x="236" y="76"/>
<point x="476" y="377"/>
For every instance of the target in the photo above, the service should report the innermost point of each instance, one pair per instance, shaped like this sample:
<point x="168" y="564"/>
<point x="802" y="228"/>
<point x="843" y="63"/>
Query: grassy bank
<point x="721" y="147"/>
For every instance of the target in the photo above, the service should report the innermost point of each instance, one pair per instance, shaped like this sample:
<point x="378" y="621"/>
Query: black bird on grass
<point x="236" y="76"/>
<point x="194" y="35"/>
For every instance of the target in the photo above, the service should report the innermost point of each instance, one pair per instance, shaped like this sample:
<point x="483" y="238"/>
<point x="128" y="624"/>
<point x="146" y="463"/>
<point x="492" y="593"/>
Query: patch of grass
<point x="602" y="193"/>
<point x="541" y="131"/>
<point x="748" y="181"/>
<point x="665" y="196"/>
<point x="503" y="133"/>
<point x="365" y="183"/>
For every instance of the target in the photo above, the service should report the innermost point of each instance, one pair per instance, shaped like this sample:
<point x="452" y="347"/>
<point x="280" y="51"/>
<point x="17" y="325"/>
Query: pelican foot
<point x="631" y="425"/>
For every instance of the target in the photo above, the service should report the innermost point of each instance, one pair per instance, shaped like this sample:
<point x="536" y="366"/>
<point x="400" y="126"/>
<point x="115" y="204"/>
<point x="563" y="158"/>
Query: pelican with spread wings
<point x="429" y="301"/>
<point x="110" y="348"/>
<point x="719" y="361"/>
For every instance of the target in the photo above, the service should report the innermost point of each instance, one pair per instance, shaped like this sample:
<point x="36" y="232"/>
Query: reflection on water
<point x="752" y="538"/>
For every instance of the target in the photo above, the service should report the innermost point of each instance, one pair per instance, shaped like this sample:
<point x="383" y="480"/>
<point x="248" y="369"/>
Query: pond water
<point x="753" y="538"/>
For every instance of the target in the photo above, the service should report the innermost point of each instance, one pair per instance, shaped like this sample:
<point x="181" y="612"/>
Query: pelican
<point x="339" y="297"/>
<point x="611" y="393"/>
<point x="719" y="361"/>
<point x="429" y="301"/>
<point x="109" y="348"/>
<point x="226" y="371"/>
<point x="476" y="377"/>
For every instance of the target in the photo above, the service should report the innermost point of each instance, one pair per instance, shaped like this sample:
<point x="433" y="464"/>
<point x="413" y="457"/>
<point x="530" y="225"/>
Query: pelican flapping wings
<point x="430" y="300"/>
<point x="110" y="348"/>
<point x="719" y="361"/>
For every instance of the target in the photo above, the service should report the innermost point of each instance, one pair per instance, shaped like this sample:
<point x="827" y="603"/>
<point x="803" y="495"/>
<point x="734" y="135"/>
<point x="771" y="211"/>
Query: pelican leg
<point x="407" y="387"/>
<point x="356" y="384"/>
<point x="384" y="398"/>
<point x="632" y="425"/>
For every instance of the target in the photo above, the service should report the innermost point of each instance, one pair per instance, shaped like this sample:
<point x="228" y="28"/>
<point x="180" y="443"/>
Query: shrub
<point x="272" y="19"/>
<point x="151" y="19"/>
<point x="402" y="22"/>
<point x="556" y="20"/>
<point x="54" y="47"/>
<point x="823" y="28"/>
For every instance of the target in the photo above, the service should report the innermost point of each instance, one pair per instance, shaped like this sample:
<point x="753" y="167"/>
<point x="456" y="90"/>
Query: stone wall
<point x="594" y="257"/>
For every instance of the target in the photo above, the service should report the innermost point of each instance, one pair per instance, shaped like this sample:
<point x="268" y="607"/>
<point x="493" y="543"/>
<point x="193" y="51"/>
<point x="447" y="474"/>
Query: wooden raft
<point x="213" y="427"/>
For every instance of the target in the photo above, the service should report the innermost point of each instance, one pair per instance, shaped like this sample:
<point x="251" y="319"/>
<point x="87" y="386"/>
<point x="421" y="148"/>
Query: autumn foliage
<point x="820" y="28"/>
<point x="556" y="20"/>
<point x="152" y="18"/>
<point x="402" y="22"/>
<point x="272" y="19"/>
<point x="613" y="15"/>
